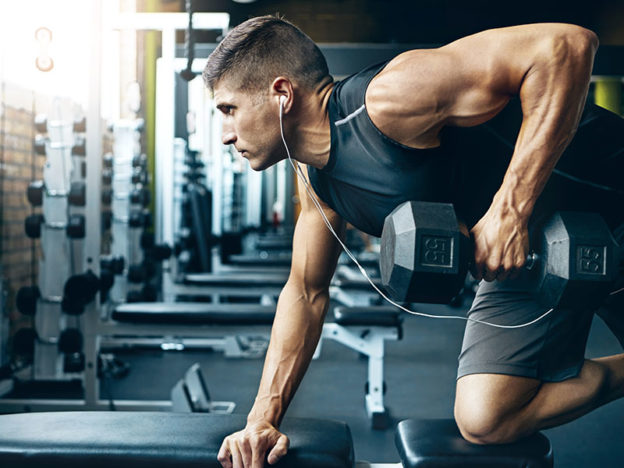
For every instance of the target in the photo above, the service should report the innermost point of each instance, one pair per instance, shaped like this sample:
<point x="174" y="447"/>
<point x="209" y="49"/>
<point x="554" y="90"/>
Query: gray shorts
<point x="550" y="350"/>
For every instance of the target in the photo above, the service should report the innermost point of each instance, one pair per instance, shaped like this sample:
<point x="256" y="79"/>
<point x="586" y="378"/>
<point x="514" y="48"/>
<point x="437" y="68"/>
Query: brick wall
<point x="19" y="165"/>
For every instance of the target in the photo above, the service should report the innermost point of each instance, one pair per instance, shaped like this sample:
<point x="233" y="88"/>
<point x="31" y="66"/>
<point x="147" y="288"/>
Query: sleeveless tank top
<point x="368" y="174"/>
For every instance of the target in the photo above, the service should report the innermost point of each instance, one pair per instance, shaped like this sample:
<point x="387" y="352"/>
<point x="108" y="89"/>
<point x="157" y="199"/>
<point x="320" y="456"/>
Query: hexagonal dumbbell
<point x="32" y="225"/>
<point x="34" y="192"/>
<point x="424" y="254"/>
<point x="425" y="257"/>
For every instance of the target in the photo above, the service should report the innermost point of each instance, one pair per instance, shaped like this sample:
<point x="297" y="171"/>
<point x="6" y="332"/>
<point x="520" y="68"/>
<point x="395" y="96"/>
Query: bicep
<point x="315" y="249"/>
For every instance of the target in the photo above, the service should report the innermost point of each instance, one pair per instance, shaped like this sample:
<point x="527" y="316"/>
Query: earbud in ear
<point x="282" y="101"/>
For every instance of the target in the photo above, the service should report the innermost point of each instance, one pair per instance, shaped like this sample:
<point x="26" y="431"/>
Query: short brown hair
<point x="262" y="48"/>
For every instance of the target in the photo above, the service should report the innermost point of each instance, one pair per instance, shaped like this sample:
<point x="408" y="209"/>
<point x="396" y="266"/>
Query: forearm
<point x="296" y="331"/>
<point x="552" y="94"/>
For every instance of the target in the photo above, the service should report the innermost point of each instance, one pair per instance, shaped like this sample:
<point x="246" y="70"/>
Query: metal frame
<point x="368" y="340"/>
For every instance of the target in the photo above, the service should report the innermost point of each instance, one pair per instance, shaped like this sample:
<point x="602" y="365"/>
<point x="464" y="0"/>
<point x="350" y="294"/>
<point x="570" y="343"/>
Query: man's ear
<point x="282" y="92"/>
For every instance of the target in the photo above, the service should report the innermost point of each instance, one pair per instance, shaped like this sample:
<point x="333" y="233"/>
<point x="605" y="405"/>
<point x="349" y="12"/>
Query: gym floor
<point x="420" y="377"/>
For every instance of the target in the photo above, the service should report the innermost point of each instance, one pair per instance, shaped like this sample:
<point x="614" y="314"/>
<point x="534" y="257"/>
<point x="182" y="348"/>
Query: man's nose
<point x="228" y="136"/>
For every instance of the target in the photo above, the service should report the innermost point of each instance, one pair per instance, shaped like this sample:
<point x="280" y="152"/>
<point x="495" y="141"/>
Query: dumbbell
<point x="107" y="161"/>
<point x="32" y="225"/>
<point x="26" y="300"/>
<point x="77" y="193"/>
<point x="76" y="227"/>
<point x="80" y="125"/>
<point x="40" y="145"/>
<point x="425" y="257"/>
<point x="70" y="341"/>
<point x="159" y="252"/>
<point x="107" y="176"/>
<point x="140" y="196"/>
<point x="115" y="264"/>
<point x="79" y="290"/>
<point x="140" y="219"/>
<point x="34" y="192"/>
<point x="80" y="146"/>
<point x="140" y="161"/>
<point x="139" y="177"/>
<point x="107" y="220"/>
<point x="41" y="123"/>
<point x="107" y="197"/>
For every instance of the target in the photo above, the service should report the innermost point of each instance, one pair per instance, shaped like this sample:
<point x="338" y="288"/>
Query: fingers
<point x="248" y="449"/>
<point x="279" y="450"/>
<point x="224" y="455"/>
<point x="237" y="458"/>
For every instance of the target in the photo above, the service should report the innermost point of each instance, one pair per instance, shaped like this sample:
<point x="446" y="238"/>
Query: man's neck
<point x="310" y="136"/>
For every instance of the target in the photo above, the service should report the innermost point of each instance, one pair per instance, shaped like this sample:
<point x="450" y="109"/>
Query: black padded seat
<point x="147" y="439"/>
<point x="243" y="280"/>
<point x="194" y="312"/>
<point x="383" y="316"/>
<point x="436" y="443"/>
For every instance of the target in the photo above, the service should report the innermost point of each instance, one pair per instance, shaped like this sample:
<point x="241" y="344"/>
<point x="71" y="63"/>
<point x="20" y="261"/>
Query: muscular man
<point x="434" y="125"/>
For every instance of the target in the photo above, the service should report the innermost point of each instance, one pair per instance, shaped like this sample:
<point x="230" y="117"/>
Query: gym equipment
<point x="190" y="395"/>
<point x="34" y="192"/>
<point x="140" y="196"/>
<point x="438" y="443"/>
<point x="137" y="439"/>
<point x="363" y="329"/>
<point x="79" y="290"/>
<point x="425" y="257"/>
<point x="26" y="300"/>
<point x="76" y="226"/>
<point x="70" y="341"/>
<point x="32" y="225"/>
<point x="77" y="193"/>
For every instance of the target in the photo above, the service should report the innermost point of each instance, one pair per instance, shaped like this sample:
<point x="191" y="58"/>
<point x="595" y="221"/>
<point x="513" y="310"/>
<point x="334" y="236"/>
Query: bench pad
<point x="149" y="439"/>
<point x="238" y="280"/>
<point x="437" y="443"/>
<point x="195" y="312"/>
<point x="382" y="316"/>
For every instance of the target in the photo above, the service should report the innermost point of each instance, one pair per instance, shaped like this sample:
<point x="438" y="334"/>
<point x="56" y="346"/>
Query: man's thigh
<point x="550" y="350"/>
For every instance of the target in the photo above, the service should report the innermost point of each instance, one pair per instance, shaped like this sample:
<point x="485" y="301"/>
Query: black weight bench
<point x="240" y="284"/>
<point x="148" y="439"/>
<point x="437" y="443"/>
<point x="363" y="329"/>
<point x="182" y="313"/>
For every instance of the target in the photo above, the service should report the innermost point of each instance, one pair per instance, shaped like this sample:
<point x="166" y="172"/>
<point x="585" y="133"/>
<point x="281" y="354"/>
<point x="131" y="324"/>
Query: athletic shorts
<point x="551" y="350"/>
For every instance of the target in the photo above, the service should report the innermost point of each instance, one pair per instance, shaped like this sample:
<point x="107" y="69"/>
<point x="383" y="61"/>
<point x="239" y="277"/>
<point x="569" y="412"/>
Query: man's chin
<point x="258" y="164"/>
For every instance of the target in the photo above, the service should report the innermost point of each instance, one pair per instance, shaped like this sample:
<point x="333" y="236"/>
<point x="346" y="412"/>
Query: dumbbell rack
<point x="128" y="219"/>
<point x="62" y="230"/>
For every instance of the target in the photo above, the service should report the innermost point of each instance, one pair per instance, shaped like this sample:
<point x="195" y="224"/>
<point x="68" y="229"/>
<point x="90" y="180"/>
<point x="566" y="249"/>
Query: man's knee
<point x="481" y="425"/>
<point x="488" y="407"/>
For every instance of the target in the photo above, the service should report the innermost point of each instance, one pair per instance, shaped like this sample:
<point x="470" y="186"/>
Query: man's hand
<point x="247" y="448"/>
<point x="501" y="245"/>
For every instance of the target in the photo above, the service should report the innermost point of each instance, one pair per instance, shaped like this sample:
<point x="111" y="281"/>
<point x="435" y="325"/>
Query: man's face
<point x="251" y="124"/>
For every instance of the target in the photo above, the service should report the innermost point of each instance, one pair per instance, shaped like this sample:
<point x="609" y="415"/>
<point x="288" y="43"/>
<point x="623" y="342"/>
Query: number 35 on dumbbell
<point x="425" y="257"/>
